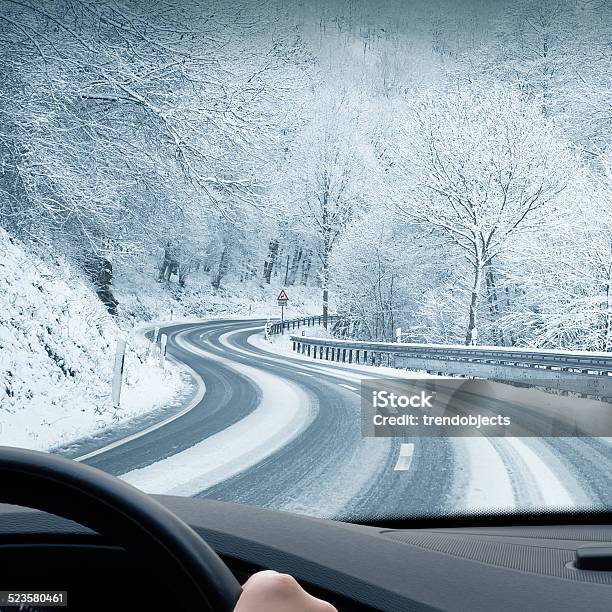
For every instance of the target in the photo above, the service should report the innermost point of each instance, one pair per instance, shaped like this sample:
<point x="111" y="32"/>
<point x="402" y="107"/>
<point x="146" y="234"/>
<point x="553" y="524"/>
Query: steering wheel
<point x="124" y="514"/>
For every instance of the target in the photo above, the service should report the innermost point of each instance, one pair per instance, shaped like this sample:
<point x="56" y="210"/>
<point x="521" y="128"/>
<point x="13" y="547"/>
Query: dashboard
<point x="355" y="567"/>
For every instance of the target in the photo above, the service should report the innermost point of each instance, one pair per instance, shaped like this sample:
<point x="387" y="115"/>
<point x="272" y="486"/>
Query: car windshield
<point x="341" y="258"/>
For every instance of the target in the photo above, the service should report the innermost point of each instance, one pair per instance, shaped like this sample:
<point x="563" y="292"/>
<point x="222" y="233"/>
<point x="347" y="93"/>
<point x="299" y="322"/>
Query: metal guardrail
<point x="580" y="371"/>
<point x="279" y="327"/>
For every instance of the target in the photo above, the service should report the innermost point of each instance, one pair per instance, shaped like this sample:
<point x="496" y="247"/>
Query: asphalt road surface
<point x="325" y="467"/>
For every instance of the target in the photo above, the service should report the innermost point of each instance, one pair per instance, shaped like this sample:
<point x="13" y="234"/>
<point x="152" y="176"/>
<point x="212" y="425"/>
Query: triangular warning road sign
<point x="282" y="296"/>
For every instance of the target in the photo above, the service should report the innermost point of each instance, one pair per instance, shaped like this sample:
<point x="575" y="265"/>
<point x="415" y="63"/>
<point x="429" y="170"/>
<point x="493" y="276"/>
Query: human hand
<point x="269" y="591"/>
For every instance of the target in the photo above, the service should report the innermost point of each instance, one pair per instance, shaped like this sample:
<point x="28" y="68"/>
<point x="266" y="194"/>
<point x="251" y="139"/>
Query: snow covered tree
<point x="381" y="273"/>
<point x="330" y="185"/>
<point x="480" y="169"/>
<point x="116" y="117"/>
<point x="565" y="273"/>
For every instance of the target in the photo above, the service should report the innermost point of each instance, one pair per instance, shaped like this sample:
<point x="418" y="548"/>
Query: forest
<point x="444" y="167"/>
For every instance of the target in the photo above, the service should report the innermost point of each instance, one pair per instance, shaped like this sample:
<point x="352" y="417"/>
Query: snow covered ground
<point x="57" y="347"/>
<point x="57" y="343"/>
<point x="142" y="298"/>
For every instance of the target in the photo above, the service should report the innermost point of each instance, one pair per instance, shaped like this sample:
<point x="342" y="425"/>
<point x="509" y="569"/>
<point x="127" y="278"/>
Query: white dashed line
<point x="349" y="387"/>
<point x="405" y="458"/>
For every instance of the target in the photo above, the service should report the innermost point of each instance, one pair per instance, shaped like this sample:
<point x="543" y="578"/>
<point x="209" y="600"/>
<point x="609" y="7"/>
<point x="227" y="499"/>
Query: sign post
<point x="281" y="299"/>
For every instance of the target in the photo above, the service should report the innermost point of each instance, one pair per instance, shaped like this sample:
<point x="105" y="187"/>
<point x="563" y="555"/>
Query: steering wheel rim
<point x="131" y="518"/>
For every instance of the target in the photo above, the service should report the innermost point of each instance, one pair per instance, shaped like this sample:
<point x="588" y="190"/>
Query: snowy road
<point x="283" y="431"/>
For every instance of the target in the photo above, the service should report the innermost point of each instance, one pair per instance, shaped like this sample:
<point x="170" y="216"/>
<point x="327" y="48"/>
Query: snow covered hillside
<point x="57" y="346"/>
<point x="141" y="298"/>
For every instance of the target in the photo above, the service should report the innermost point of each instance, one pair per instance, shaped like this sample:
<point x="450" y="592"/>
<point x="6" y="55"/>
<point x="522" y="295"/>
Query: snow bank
<point x="57" y="347"/>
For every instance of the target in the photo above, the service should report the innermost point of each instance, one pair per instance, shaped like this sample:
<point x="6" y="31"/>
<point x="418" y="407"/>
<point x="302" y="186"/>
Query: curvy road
<point x="274" y="429"/>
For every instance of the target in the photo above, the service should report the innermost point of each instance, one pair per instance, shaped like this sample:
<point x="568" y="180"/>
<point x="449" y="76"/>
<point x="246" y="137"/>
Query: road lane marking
<point x="405" y="458"/>
<point x="349" y="387"/>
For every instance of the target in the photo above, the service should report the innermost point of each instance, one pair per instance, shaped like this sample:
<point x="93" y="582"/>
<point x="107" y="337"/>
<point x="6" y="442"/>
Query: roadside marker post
<point x="162" y="351"/>
<point x="118" y="372"/>
<point x="153" y="345"/>
<point x="401" y="336"/>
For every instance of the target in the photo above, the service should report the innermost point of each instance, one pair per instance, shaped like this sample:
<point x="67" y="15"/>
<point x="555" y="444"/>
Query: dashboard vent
<point x="552" y="557"/>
